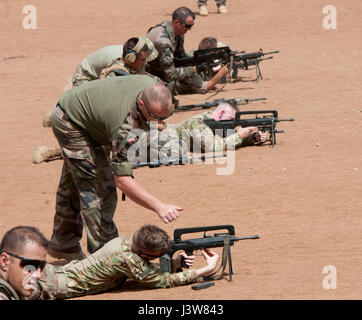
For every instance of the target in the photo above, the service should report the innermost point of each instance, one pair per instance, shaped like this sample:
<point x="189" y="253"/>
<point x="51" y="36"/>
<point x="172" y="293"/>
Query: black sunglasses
<point x="152" y="115"/>
<point x="37" y="264"/>
<point x="140" y="252"/>
<point x="187" y="26"/>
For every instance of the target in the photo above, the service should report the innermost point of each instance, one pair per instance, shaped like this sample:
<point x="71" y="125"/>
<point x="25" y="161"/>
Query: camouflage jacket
<point x="7" y="292"/>
<point x="168" y="47"/>
<point x="194" y="135"/>
<point x="105" y="269"/>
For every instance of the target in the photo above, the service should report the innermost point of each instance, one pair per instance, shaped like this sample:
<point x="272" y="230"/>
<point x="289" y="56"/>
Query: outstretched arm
<point x="137" y="193"/>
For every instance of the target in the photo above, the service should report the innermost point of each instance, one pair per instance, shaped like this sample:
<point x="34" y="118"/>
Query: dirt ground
<point x="302" y="197"/>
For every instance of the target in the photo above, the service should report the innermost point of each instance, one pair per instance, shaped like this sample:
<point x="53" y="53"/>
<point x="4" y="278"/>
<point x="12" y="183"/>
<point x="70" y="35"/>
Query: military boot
<point x="68" y="256"/>
<point x="222" y="9"/>
<point x="203" y="11"/>
<point x="44" y="153"/>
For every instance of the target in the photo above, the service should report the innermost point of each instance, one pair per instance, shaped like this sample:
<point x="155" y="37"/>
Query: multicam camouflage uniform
<point x="168" y="47"/>
<point x="90" y="68"/>
<point x="190" y="135"/>
<point x="193" y="134"/>
<point x="104" y="270"/>
<point x="7" y="292"/>
<point x="87" y="121"/>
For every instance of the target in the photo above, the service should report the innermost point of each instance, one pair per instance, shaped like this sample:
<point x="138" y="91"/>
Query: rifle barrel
<point x="246" y="238"/>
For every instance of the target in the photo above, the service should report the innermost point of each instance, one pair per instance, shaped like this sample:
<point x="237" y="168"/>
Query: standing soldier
<point x="87" y="121"/>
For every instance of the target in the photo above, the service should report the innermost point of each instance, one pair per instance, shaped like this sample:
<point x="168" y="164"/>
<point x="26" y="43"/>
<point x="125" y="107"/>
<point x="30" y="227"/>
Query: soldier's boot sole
<point x="44" y="153"/>
<point x="79" y="255"/>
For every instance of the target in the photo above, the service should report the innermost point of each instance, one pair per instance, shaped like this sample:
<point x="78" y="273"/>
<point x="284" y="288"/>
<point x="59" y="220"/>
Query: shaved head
<point x="224" y="111"/>
<point x="157" y="97"/>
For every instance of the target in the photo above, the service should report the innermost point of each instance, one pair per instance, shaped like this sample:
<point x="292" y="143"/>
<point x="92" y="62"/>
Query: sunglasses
<point x="37" y="264"/>
<point x="140" y="253"/>
<point x="152" y="115"/>
<point x="187" y="26"/>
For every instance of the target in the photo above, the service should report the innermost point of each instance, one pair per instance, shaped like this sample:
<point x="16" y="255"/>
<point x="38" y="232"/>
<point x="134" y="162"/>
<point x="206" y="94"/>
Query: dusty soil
<point x="302" y="197"/>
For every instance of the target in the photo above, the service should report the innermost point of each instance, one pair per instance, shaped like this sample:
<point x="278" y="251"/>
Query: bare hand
<point x="245" y="132"/>
<point x="224" y="70"/>
<point x="189" y="260"/>
<point x="169" y="212"/>
<point x="211" y="258"/>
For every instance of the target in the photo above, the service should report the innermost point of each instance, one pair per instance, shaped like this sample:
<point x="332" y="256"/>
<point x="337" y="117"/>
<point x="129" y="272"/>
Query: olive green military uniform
<point x="88" y="121"/>
<point x="91" y="67"/>
<point x="104" y="270"/>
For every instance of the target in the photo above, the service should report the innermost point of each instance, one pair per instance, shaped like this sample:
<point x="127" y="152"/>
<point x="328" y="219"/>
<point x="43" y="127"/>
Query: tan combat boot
<point x="203" y="11"/>
<point x="44" y="153"/>
<point x="222" y="9"/>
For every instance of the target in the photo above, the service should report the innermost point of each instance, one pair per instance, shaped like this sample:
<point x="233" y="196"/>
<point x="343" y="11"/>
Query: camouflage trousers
<point x="86" y="194"/>
<point x="194" y="84"/>
<point x="218" y="2"/>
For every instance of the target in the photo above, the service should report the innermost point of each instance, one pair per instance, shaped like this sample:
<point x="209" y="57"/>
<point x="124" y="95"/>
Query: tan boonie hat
<point x="153" y="53"/>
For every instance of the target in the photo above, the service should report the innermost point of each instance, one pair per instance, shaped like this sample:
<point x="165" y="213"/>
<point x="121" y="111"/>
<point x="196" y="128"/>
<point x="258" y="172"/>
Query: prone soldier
<point x="120" y="259"/>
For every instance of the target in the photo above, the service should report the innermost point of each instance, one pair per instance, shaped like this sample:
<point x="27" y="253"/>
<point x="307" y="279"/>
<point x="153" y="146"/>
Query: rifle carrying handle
<point x="179" y="232"/>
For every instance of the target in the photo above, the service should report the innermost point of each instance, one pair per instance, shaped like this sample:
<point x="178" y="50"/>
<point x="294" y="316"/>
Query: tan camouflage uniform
<point x="88" y="121"/>
<point x="104" y="270"/>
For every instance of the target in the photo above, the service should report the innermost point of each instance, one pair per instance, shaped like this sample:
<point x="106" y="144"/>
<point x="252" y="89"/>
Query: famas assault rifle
<point x="265" y="123"/>
<point x="221" y="239"/>
<point x="206" y="59"/>
<point x="216" y="102"/>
